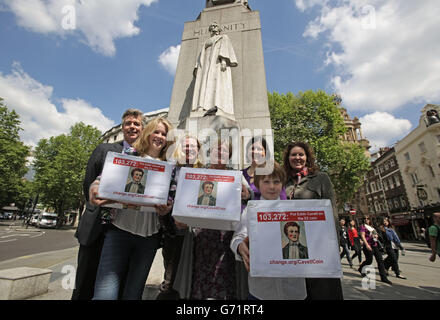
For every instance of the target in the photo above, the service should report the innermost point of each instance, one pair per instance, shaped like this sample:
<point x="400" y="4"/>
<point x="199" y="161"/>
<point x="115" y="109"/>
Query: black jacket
<point x="90" y="226"/>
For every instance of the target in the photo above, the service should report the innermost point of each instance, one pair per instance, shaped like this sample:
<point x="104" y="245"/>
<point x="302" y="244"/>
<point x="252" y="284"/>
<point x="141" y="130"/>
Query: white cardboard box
<point x="135" y="180"/>
<point x="316" y="255"/>
<point x="199" y="205"/>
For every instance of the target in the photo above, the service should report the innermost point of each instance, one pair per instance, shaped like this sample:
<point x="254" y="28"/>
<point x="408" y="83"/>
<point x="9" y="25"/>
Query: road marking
<point x="8" y="240"/>
<point x="13" y="235"/>
<point x="38" y="235"/>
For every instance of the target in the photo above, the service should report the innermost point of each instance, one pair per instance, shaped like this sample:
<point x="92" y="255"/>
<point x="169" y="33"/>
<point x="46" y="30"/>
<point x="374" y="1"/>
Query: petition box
<point x="208" y="198"/>
<point x="293" y="238"/>
<point x="135" y="180"/>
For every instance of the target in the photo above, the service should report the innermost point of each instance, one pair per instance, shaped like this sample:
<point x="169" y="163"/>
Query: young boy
<point x="266" y="288"/>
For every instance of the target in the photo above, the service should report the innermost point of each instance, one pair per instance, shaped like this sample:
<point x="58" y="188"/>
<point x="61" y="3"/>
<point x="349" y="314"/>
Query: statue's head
<point x="214" y="28"/>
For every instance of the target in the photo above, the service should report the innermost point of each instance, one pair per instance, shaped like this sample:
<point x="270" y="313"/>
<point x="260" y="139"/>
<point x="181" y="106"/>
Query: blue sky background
<point x="53" y="77"/>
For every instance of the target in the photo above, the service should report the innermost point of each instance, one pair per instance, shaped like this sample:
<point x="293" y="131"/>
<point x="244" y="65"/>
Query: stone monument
<point x="220" y="80"/>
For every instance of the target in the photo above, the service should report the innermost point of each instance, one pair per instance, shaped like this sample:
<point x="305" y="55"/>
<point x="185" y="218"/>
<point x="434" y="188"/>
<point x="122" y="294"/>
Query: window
<point x="402" y="201"/>
<point x="396" y="203"/>
<point x="376" y="206"/>
<point x="422" y="147"/>
<point x="414" y="178"/>
<point x="396" y="181"/>
<point x="373" y="187"/>
<point x="407" y="157"/>
<point x="385" y="184"/>
<point x="392" y="163"/>
<point x="390" y="204"/>
<point x="381" y="168"/>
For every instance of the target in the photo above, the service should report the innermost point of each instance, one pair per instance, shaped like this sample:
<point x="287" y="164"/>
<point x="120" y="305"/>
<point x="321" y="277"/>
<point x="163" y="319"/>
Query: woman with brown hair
<point x="305" y="181"/>
<point x="187" y="154"/>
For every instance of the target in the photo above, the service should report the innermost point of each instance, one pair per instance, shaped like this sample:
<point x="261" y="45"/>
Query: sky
<point x="64" y="61"/>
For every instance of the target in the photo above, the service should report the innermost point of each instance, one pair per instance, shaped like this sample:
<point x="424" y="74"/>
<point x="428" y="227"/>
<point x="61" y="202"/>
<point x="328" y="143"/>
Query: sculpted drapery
<point x="213" y="84"/>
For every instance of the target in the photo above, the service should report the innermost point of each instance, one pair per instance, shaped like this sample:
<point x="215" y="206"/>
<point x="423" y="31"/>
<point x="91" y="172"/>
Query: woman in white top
<point x="263" y="288"/>
<point x="132" y="241"/>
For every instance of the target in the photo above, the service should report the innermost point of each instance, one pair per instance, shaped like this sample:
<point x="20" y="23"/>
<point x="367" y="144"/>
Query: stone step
<point x="22" y="283"/>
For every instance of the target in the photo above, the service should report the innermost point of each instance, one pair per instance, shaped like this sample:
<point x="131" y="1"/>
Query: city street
<point x="57" y="250"/>
<point x="17" y="241"/>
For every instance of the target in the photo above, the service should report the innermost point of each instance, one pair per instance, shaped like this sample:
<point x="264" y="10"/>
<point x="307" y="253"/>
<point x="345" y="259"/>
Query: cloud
<point x="98" y="22"/>
<point x="168" y="59"/>
<point x="383" y="129"/>
<point x="39" y="116"/>
<point x="384" y="53"/>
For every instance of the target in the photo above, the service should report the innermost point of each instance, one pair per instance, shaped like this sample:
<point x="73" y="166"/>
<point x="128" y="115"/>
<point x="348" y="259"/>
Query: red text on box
<point x="208" y="177"/>
<point x="291" y="216"/>
<point x="139" y="164"/>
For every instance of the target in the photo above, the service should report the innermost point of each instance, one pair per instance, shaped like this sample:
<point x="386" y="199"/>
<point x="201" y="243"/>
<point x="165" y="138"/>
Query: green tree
<point x="13" y="154"/>
<point x="60" y="164"/>
<point x="312" y="116"/>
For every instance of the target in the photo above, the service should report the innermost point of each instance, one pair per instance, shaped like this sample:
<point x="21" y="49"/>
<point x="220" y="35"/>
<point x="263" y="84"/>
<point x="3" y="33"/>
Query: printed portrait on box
<point x="293" y="239"/>
<point x="207" y="193"/>
<point x="136" y="181"/>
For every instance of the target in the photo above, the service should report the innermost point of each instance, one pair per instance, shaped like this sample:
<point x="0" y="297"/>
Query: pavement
<point x="422" y="281"/>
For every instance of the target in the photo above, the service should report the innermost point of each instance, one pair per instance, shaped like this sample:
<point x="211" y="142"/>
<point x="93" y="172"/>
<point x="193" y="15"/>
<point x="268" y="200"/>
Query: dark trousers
<point x="171" y="250"/>
<point x="324" y="289"/>
<point x="88" y="261"/>
<point x="346" y="252"/>
<point x="357" y="250"/>
<point x="369" y="260"/>
<point x="391" y="260"/>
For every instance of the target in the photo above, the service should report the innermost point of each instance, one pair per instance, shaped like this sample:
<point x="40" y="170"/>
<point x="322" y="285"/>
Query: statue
<point x="211" y="3"/>
<point x="432" y="117"/>
<point x="212" y="72"/>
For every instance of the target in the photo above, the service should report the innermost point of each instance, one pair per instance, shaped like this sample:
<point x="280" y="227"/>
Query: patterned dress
<point x="213" y="266"/>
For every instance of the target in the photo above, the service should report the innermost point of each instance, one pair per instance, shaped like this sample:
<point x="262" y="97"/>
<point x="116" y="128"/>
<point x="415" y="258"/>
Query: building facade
<point x="418" y="155"/>
<point x="386" y="193"/>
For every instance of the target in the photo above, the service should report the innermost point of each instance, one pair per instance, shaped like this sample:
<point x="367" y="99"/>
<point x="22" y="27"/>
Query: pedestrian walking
<point x="372" y="248"/>
<point x="392" y="245"/>
<point x="355" y="241"/>
<point x="434" y="237"/>
<point x="344" y="242"/>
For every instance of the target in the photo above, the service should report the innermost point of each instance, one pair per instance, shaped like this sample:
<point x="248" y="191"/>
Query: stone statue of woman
<point x="212" y="72"/>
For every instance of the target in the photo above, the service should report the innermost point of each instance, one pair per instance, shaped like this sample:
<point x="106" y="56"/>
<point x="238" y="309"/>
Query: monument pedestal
<point x="251" y="110"/>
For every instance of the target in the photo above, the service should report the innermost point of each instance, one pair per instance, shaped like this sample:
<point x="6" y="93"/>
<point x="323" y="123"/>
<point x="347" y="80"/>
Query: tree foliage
<point x="60" y="164"/>
<point x="13" y="154"/>
<point x="312" y="116"/>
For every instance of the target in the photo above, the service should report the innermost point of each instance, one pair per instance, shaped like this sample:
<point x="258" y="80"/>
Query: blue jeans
<point x="125" y="261"/>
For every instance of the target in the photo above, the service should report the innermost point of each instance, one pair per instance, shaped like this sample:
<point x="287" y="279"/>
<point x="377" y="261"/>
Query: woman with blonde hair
<point x="152" y="138"/>
<point x="133" y="238"/>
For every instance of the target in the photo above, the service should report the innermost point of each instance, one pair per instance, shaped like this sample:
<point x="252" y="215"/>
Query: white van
<point x="47" y="220"/>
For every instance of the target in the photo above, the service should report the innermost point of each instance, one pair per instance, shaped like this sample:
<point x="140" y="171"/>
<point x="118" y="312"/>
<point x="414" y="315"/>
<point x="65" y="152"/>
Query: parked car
<point x="7" y="215"/>
<point x="47" y="220"/>
<point x="2" y="216"/>
<point x="34" y="220"/>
